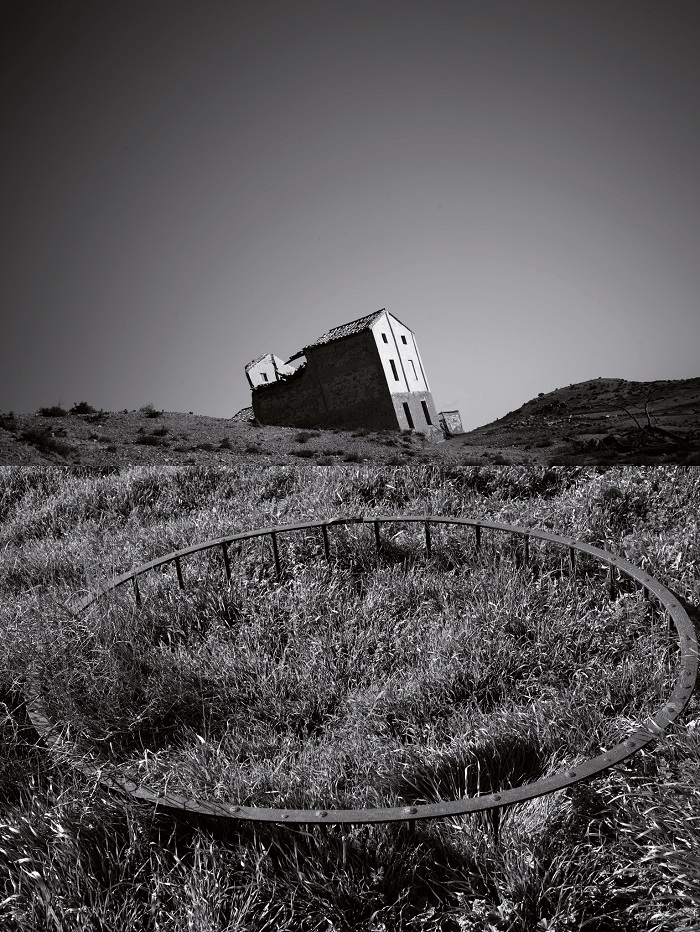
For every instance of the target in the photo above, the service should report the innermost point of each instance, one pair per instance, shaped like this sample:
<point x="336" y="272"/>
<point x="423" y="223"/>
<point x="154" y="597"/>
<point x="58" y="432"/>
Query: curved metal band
<point x="642" y="735"/>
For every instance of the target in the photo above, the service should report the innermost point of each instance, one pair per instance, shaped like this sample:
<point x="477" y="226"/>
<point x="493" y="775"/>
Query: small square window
<point x="403" y="338"/>
<point x="384" y="338"/>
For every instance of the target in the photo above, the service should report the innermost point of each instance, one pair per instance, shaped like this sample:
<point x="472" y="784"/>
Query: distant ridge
<point x="627" y="418"/>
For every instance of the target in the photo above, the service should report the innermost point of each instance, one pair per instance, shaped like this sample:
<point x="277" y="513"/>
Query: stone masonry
<point x="367" y="373"/>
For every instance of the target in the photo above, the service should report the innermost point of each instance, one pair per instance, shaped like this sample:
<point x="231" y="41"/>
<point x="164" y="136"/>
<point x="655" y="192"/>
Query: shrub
<point x="225" y="443"/>
<point x="8" y="422"/>
<point x="44" y="441"/>
<point x="206" y="446"/>
<point x="352" y="457"/>
<point x="361" y="432"/>
<point x="305" y="435"/>
<point x="149" y="411"/>
<point x="148" y="440"/>
<point x="305" y="454"/>
<point x="82" y="407"/>
<point x="159" y="431"/>
<point x="52" y="411"/>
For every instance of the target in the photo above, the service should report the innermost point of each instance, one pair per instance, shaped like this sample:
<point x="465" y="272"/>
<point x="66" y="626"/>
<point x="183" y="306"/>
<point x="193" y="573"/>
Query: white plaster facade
<point x="266" y="369"/>
<point x="396" y="344"/>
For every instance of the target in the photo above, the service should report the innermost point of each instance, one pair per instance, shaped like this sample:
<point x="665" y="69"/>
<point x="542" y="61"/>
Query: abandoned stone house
<point x="366" y="373"/>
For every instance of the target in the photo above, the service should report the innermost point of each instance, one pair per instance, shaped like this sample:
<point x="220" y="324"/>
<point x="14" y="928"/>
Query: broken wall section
<point x="267" y="369"/>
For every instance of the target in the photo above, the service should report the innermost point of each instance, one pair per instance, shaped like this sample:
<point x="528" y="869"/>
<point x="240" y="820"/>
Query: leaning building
<point x="367" y="373"/>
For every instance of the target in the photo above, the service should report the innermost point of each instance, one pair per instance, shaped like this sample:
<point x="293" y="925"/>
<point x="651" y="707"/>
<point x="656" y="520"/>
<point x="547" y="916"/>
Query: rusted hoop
<point x="178" y="804"/>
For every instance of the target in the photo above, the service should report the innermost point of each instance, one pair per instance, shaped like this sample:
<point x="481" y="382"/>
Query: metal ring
<point x="178" y="804"/>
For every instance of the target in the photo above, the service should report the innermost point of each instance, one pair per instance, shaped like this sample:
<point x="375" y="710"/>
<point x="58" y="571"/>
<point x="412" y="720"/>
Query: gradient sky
<point x="188" y="185"/>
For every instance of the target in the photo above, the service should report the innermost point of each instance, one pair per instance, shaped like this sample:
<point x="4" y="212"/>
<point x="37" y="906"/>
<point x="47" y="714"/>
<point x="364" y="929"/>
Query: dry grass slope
<point x="600" y="422"/>
<point x="365" y="682"/>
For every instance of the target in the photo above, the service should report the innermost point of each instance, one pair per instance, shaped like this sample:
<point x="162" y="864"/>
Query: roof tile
<point x="346" y="330"/>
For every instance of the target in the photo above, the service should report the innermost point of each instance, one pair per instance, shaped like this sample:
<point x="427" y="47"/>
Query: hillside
<point x="602" y="421"/>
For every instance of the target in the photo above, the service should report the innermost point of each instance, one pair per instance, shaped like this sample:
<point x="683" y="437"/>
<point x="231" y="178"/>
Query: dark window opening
<point x="403" y="339"/>
<point x="407" y="412"/>
<point x="384" y="338"/>
<point x="393" y="369"/>
<point x="426" y="413"/>
<point x="413" y="366"/>
<point x="264" y="375"/>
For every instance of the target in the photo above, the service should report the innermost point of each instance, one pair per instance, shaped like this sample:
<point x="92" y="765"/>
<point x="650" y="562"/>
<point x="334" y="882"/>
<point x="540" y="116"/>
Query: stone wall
<point x="342" y="385"/>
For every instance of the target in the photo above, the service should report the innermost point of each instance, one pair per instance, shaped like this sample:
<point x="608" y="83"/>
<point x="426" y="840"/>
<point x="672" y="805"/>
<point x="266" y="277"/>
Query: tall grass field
<point x="372" y="679"/>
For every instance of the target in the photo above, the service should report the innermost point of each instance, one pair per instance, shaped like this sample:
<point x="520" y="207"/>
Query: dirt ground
<point x="602" y="421"/>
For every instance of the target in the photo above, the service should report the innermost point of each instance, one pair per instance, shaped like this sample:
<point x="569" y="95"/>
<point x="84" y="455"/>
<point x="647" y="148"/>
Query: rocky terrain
<point x="602" y="421"/>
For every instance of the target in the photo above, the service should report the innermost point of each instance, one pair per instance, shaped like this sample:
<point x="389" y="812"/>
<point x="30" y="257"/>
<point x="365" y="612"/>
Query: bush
<point x="45" y="442"/>
<point x="52" y="411"/>
<point x="352" y="457"/>
<point x="8" y="422"/>
<point x="305" y="435"/>
<point x="82" y="407"/>
<point x="96" y="417"/>
<point x="149" y="411"/>
<point x="225" y="444"/>
<point x="305" y="454"/>
<point x="159" y="432"/>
